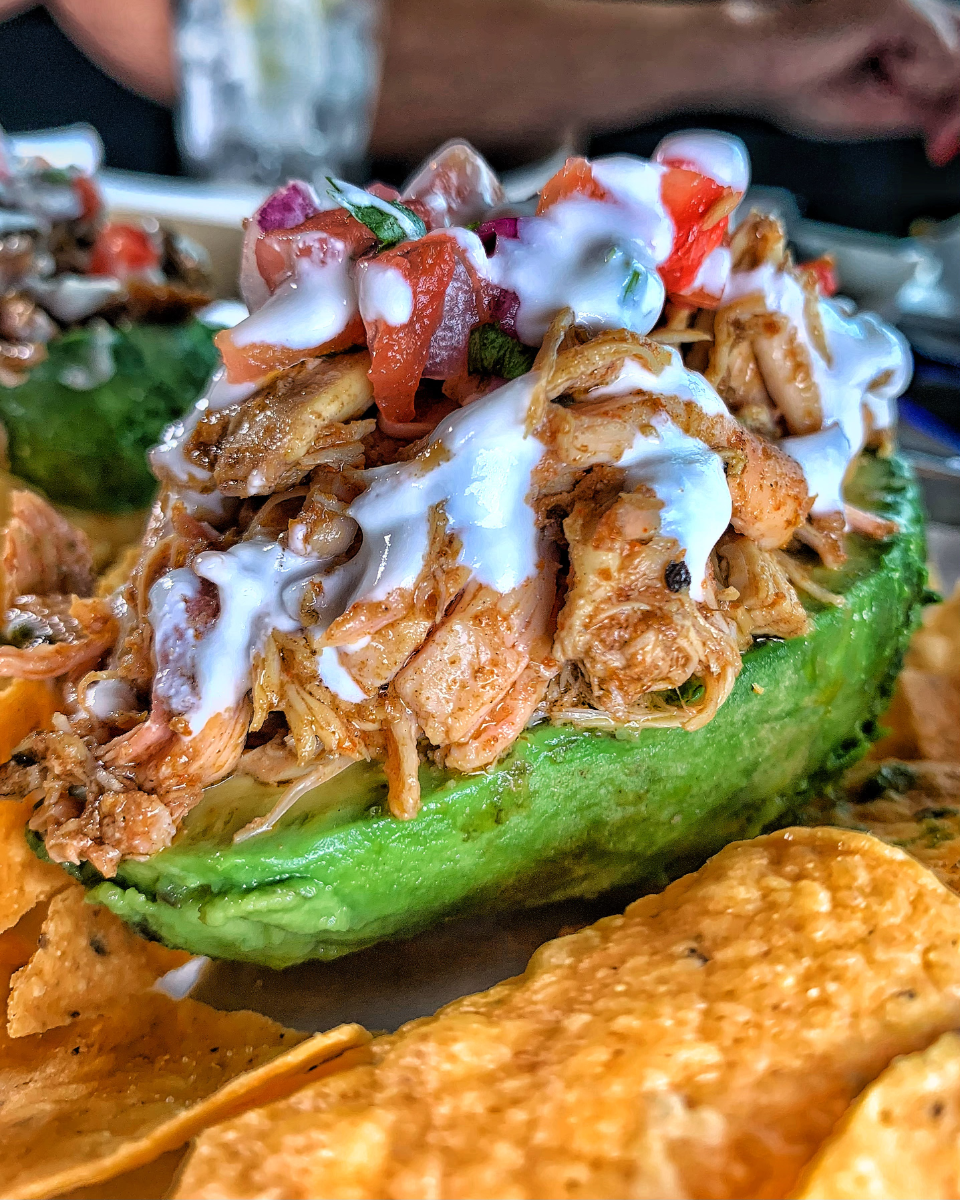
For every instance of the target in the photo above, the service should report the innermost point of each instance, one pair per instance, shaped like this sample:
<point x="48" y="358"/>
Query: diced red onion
<point x="489" y="231"/>
<point x="289" y="206"/>
<point x="503" y="310"/>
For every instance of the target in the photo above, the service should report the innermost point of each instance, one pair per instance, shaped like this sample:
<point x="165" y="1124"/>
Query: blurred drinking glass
<point x="277" y="89"/>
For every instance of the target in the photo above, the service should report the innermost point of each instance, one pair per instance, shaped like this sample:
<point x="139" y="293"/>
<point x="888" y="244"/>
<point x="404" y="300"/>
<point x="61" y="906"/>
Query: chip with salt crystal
<point x="104" y="1095"/>
<point x="88" y="962"/>
<point x="913" y="805"/>
<point x="900" y="1140"/>
<point x="924" y="718"/>
<point x="24" y="879"/>
<point x="702" y="1044"/>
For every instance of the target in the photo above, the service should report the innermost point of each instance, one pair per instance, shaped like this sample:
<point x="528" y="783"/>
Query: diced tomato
<point x="122" y="251"/>
<point x="448" y="300"/>
<point x="688" y="197"/>
<point x="575" y="178"/>
<point x="247" y="364"/>
<point x="399" y="353"/>
<point x="824" y="272"/>
<point x="277" y="250"/>
<point x="89" y="196"/>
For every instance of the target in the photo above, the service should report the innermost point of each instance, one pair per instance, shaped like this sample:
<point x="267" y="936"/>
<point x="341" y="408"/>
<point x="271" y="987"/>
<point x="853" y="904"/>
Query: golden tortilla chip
<point x="935" y="647"/>
<point x="924" y="715"/>
<point x="928" y="708"/>
<point x="913" y="805"/>
<point x="24" y="879"/>
<point x="901" y="1139"/>
<point x="107" y="1094"/>
<point x="25" y="705"/>
<point x="88" y="962"/>
<point x="702" y="1044"/>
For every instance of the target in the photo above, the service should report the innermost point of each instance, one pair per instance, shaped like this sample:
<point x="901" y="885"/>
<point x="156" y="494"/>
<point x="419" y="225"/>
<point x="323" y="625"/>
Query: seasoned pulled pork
<point x="408" y="542"/>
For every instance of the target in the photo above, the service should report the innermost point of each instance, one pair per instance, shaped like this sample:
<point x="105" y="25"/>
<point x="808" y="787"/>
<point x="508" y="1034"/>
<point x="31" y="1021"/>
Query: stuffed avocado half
<point x="99" y="346"/>
<point x="515" y="553"/>
<point x="567" y="813"/>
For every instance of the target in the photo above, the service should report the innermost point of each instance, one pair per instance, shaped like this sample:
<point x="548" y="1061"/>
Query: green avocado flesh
<point x="88" y="447"/>
<point x="567" y="813"/>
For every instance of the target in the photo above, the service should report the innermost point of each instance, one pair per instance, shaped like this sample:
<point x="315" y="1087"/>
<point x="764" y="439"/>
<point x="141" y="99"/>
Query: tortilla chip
<point x="107" y="1094"/>
<point x="24" y="879"/>
<point x="924" y="716"/>
<point x="150" y="1182"/>
<point x="703" y="1044"/>
<point x="88" y="962"/>
<point x="935" y="647"/>
<point x="913" y="805"/>
<point x="25" y="705"/>
<point x="901" y="1139"/>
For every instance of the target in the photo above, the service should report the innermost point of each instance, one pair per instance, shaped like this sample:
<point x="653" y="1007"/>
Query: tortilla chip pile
<point x="777" y="1024"/>
<point x="99" y="1072"/>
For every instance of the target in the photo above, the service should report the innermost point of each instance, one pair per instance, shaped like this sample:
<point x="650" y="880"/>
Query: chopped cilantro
<point x="493" y="352"/>
<point x="388" y="220"/>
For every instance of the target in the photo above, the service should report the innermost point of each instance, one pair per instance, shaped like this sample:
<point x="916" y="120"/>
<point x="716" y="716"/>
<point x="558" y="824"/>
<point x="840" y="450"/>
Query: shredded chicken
<point x="604" y="634"/>
<point x="294" y="422"/>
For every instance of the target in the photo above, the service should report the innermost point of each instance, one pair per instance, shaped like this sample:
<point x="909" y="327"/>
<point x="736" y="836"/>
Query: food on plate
<point x="913" y="805"/>
<point x="924" y="718"/>
<point x="83" y="951"/>
<point x="100" y="1072"/>
<point x="901" y="1138"/>
<point x="701" y="1045"/>
<point x="103" y="1095"/>
<point x="513" y="554"/>
<point x="25" y="881"/>
<point x="99" y="347"/>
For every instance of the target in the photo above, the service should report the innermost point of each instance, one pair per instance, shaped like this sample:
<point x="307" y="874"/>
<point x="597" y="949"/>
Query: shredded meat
<point x="631" y="634"/>
<point x="604" y="634"/>
<point x="55" y="635"/>
<point x="766" y="603"/>
<point x="291" y="424"/>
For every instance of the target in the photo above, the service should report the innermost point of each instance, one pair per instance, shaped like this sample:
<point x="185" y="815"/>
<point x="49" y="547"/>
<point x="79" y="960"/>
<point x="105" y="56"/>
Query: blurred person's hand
<point x="857" y="68"/>
<point x="524" y="73"/>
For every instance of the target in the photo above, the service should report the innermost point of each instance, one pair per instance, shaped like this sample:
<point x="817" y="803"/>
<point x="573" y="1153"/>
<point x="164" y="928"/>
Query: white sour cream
<point x="721" y="156"/>
<point x="384" y="295"/>
<point x="674" y="380"/>
<point x="256" y="583"/>
<point x="311" y="307"/>
<point x="334" y="675"/>
<point x="824" y="457"/>
<point x="688" y="477"/>
<point x="870" y="363"/>
<point x="714" y="273"/>
<point x="481" y="476"/>
<point x="592" y="256"/>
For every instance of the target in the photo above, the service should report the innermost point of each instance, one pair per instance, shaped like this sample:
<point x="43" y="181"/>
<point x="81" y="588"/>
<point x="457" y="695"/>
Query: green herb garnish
<point x="493" y="352"/>
<point x="388" y="220"/>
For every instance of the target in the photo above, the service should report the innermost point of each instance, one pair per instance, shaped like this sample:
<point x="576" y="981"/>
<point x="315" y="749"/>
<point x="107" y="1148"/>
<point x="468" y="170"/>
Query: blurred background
<point x="850" y="110"/>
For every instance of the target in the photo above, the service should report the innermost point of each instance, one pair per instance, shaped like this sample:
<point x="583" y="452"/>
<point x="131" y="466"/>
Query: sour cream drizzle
<point x="477" y="465"/>
<point x="311" y="307"/>
<point x="688" y="477"/>
<point x="384" y="294"/>
<point x="871" y="365"/>
<point x="256" y="582"/>
<point x="682" y="471"/>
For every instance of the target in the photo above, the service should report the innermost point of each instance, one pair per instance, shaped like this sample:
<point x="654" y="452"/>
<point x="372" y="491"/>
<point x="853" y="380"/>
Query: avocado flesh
<point x="566" y="813"/>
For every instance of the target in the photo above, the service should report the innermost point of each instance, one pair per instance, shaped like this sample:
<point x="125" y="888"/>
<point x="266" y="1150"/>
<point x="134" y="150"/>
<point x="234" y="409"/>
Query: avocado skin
<point x="567" y="813"/>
